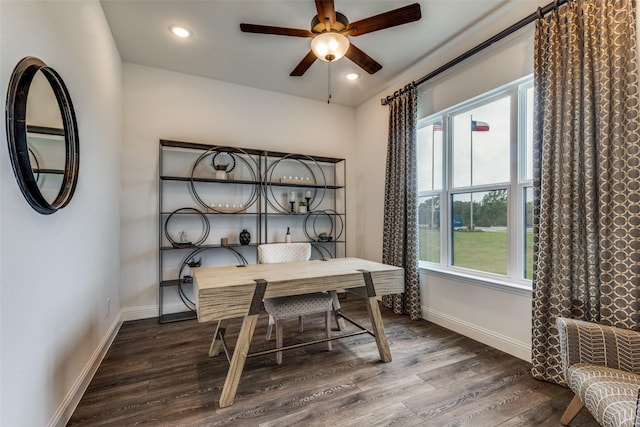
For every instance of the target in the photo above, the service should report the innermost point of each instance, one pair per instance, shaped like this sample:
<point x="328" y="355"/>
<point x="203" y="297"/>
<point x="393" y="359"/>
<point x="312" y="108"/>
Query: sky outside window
<point x="529" y="135"/>
<point x="490" y="161"/>
<point x="430" y="157"/>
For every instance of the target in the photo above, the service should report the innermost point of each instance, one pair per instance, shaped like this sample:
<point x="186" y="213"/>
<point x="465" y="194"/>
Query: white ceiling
<point x="219" y="50"/>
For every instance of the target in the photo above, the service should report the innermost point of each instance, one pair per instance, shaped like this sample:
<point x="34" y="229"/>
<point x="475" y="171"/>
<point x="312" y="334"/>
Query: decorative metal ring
<point x="252" y="167"/>
<point x="322" y="250"/>
<point x="315" y="214"/>
<point x="183" y="296"/>
<point x="340" y="220"/>
<point x="233" y="158"/>
<point x="315" y="201"/>
<point x="205" y="221"/>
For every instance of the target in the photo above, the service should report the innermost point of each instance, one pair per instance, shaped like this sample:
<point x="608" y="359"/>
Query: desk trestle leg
<point x="242" y="346"/>
<point x="218" y="338"/>
<point x="376" y="318"/>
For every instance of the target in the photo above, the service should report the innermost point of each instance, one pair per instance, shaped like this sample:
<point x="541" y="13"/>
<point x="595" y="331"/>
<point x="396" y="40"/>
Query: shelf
<point x="45" y="130"/>
<point x="197" y="146"/>
<point x="209" y="212"/>
<point x="248" y="182"/>
<point x="175" y="282"/>
<point x="303" y="214"/>
<point x="233" y="245"/>
<point x="303" y="157"/>
<point x="218" y="181"/>
<point x="177" y="317"/>
<point x="300" y="185"/>
<point x="49" y="171"/>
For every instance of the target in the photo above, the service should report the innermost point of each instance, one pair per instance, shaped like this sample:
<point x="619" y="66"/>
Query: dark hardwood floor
<point x="161" y="375"/>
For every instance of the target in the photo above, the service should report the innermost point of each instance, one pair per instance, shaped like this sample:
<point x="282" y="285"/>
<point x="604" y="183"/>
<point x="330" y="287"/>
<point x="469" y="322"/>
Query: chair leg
<point x="279" y="341"/>
<point x="270" y="327"/>
<point x="327" y="326"/>
<point x="572" y="410"/>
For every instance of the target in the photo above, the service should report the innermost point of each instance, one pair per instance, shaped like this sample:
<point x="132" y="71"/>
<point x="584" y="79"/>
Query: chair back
<point x="283" y="252"/>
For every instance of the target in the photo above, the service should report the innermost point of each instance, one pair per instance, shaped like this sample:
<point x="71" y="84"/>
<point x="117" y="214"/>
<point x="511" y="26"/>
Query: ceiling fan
<point x="329" y="32"/>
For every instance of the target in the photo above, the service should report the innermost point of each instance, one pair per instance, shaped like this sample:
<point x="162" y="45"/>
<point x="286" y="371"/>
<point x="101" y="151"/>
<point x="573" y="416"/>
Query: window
<point x="474" y="185"/>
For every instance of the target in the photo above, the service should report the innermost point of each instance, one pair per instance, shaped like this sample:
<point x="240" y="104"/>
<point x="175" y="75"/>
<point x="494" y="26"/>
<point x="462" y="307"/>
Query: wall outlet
<point x="108" y="307"/>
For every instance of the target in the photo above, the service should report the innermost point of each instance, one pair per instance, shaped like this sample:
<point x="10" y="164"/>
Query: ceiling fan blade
<point x="384" y="20"/>
<point x="278" y="31"/>
<point x="326" y="9"/>
<point x="363" y="60"/>
<point x="304" y="65"/>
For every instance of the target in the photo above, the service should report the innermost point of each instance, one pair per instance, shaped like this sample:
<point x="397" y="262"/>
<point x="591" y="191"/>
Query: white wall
<point x="167" y="105"/>
<point x="488" y="314"/>
<point x="57" y="271"/>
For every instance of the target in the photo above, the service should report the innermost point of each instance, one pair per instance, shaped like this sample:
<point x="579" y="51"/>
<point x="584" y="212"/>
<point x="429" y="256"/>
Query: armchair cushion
<point x="602" y="367"/>
<point x="611" y="395"/>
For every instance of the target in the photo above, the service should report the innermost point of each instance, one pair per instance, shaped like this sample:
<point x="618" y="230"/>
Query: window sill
<point x="518" y="288"/>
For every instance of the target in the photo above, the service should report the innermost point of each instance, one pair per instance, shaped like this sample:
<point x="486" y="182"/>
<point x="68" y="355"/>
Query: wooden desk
<point x="237" y="291"/>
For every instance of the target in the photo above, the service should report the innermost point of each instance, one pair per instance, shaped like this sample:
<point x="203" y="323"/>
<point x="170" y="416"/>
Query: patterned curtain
<point x="400" y="234"/>
<point x="586" y="173"/>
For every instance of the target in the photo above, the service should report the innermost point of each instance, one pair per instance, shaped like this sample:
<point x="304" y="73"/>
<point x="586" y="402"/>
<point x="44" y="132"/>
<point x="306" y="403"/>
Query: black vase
<point x="245" y="237"/>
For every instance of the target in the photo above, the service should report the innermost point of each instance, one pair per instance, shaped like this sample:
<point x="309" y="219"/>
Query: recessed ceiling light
<point x="352" y="76"/>
<point x="179" y="31"/>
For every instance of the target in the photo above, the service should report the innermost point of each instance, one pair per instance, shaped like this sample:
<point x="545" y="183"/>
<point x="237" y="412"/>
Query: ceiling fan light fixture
<point x="179" y="31"/>
<point x="329" y="46"/>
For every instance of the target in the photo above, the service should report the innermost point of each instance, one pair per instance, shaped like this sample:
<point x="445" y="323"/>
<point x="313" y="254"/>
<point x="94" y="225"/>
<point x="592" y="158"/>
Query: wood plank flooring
<point x="161" y="375"/>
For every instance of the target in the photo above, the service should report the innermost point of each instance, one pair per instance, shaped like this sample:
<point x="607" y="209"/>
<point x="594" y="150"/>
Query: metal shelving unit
<point x="190" y="196"/>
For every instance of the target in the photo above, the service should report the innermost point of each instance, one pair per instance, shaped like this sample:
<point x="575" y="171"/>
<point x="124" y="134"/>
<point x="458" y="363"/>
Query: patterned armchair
<point x="601" y="366"/>
<point x="296" y="305"/>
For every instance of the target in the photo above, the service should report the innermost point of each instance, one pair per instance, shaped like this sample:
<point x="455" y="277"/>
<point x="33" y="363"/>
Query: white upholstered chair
<point x="281" y="308"/>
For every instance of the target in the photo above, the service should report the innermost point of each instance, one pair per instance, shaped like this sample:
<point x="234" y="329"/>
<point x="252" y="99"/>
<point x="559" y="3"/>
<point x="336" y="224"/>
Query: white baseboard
<point x="71" y="400"/>
<point x="149" y="311"/>
<point x="504" y="343"/>
<point x="137" y="313"/>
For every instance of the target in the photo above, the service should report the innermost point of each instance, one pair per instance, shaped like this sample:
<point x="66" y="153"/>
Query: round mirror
<point x="42" y="135"/>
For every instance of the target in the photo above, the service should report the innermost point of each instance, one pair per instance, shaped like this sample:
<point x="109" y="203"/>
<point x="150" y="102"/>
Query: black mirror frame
<point x="16" y="109"/>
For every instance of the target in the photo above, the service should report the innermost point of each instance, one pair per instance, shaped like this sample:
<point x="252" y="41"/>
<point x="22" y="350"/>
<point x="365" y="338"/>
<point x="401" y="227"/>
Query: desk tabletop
<point x="225" y="292"/>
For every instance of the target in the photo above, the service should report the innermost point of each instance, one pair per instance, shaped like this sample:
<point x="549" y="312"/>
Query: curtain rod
<point x="502" y="34"/>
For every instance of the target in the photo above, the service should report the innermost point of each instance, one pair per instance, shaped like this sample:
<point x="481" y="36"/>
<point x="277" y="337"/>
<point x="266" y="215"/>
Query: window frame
<point x="514" y="280"/>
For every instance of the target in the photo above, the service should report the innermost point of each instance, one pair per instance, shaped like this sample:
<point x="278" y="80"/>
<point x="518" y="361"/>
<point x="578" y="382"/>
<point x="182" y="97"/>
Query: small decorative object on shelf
<point x="294" y="180"/>
<point x="324" y="237"/>
<point x="184" y="240"/>
<point x="287" y="237"/>
<point x="221" y="171"/>
<point x="224" y="241"/>
<point x="292" y="200"/>
<point x="192" y="263"/>
<point x="307" y="197"/>
<point x="245" y="237"/>
<point x="302" y="207"/>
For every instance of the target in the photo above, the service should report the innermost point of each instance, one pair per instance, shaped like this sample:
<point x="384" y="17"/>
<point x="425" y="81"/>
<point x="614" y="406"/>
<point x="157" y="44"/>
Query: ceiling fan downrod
<point x="329" y="79"/>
